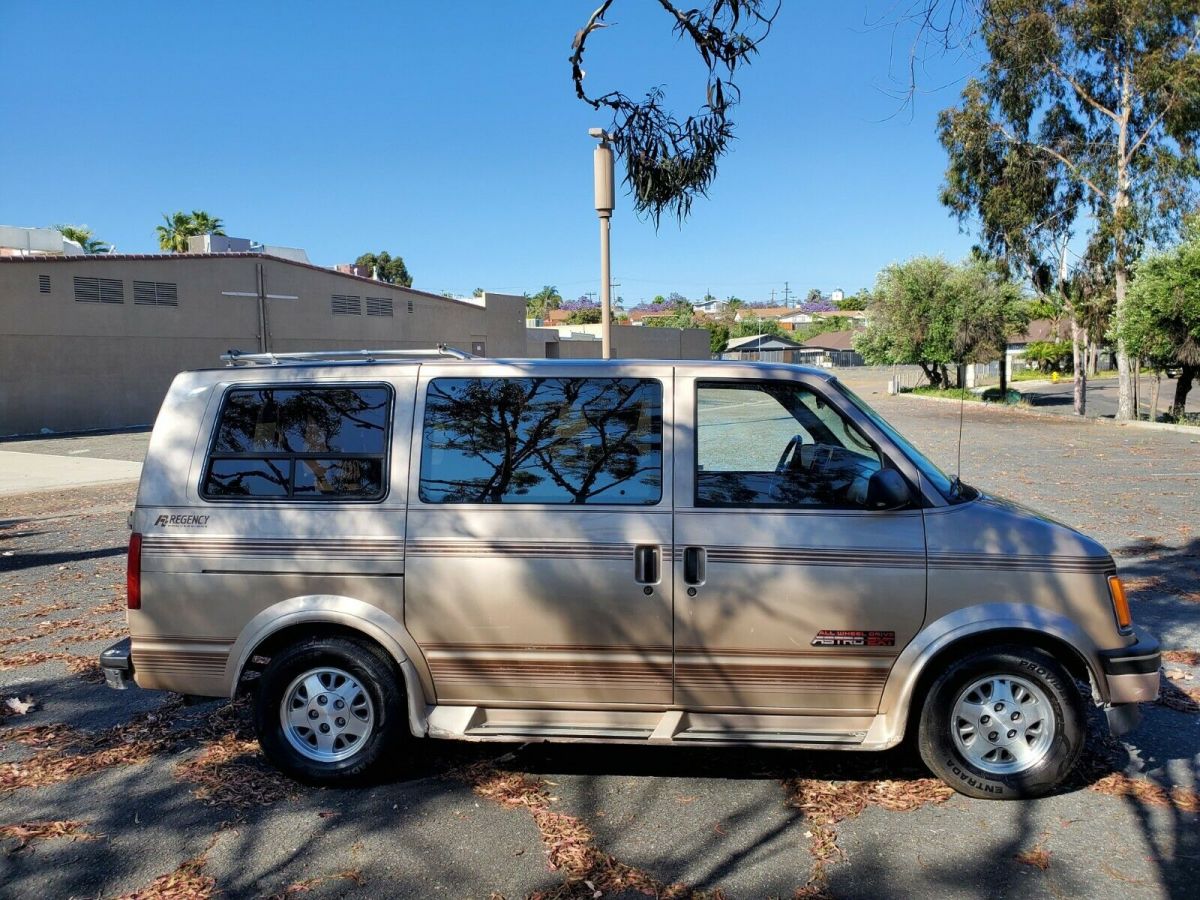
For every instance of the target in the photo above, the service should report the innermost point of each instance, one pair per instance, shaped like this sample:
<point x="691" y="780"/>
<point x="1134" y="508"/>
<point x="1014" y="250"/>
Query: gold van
<point x="388" y="546"/>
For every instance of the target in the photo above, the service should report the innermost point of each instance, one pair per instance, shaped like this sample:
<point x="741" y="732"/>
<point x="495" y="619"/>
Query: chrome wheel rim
<point x="1003" y="724"/>
<point x="327" y="716"/>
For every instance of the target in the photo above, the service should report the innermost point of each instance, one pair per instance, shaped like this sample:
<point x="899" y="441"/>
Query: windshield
<point x="948" y="487"/>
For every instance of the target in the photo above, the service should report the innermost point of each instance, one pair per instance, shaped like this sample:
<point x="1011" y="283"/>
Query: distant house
<point x="800" y="317"/>
<point x="709" y="307"/>
<point x="833" y="348"/>
<point x="639" y="316"/>
<point x="1039" y="330"/>
<point x="763" y="347"/>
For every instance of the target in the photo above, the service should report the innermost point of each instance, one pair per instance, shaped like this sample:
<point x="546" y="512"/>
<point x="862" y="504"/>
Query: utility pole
<point x="772" y="296"/>
<point x="602" y="163"/>
<point x="786" y="293"/>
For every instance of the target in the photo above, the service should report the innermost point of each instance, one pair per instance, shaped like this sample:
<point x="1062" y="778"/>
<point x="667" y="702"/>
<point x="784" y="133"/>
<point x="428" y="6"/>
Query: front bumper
<point x="117" y="665"/>
<point x="1132" y="674"/>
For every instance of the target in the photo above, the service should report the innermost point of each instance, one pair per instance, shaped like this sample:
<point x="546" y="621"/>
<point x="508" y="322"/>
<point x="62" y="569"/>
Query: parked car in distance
<point x="381" y="547"/>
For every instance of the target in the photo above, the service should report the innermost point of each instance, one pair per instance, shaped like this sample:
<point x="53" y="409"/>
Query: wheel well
<point x="261" y="655"/>
<point x="1063" y="652"/>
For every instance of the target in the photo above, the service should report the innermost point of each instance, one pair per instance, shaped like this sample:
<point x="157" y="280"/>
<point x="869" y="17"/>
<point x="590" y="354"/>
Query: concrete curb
<point x="1032" y="411"/>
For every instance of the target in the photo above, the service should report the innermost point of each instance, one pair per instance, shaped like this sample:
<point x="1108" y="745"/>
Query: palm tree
<point x="203" y="223"/>
<point x="82" y="235"/>
<point x="173" y="235"/>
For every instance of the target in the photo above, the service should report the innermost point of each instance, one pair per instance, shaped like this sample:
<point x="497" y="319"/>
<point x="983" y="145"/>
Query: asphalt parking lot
<point x="107" y="794"/>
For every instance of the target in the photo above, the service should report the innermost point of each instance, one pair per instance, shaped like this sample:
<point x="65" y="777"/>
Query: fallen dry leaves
<point x="188" y="882"/>
<point x="62" y="753"/>
<point x="568" y="841"/>
<point x="1185" y="657"/>
<point x="303" y="887"/>
<point x="27" y="832"/>
<point x="825" y="803"/>
<point x="1037" y="857"/>
<point x="29" y="658"/>
<point x="230" y="771"/>
<point x="1118" y="784"/>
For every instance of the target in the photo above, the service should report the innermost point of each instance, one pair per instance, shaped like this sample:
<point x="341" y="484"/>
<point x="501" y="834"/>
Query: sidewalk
<point x="23" y="473"/>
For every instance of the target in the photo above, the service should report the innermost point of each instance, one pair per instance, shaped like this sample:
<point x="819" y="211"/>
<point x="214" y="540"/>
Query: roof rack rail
<point x="238" y="358"/>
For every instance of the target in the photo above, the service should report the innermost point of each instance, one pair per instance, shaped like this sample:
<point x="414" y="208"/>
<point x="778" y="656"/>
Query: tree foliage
<point x="669" y="162"/>
<point x="541" y="303"/>
<point x="386" y="267"/>
<point x="1050" y="356"/>
<point x="1161" y="320"/>
<point x="177" y="227"/>
<point x="931" y="313"/>
<point x="82" y="235"/>
<point x="1092" y="103"/>
<point x="857" y="301"/>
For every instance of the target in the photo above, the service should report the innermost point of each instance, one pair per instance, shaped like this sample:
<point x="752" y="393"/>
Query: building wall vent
<point x="346" y="305"/>
<point x="410" y="306"/>
<point x="44" y="284"/>
<point x="379" y="306"/>
<point x="155" y="293"/>
<point x="99" y="290"/>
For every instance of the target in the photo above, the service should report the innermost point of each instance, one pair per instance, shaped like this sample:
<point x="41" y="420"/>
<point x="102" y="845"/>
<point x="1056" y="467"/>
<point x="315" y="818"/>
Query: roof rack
<point x="238" y="358"/>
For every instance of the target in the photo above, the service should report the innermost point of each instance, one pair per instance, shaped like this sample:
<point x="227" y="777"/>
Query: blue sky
<point x="450" y="134"/>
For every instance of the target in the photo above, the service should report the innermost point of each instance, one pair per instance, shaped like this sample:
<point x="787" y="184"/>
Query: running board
<point x="477" y="723"/>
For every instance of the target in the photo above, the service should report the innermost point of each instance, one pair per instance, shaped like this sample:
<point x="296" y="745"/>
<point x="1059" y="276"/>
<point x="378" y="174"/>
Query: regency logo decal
<point x="181" y="521"/>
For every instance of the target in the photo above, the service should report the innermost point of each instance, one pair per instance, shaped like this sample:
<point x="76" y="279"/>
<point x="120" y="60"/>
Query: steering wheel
<point x="791" y="460"/>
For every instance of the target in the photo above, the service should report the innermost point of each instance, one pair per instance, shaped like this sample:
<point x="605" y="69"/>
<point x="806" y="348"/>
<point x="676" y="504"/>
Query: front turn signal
<point x="1120" y="603"/>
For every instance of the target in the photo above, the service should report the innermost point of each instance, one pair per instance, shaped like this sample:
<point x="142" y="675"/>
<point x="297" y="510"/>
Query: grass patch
<point x="989" y="395"/>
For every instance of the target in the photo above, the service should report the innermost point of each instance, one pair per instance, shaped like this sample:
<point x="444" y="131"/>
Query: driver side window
<point x="778" y="444"/>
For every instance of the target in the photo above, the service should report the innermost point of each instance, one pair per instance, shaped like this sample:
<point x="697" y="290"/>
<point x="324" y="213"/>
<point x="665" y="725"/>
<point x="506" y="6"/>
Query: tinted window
<point x="542" y="440"/>
<point x="302" y="443"/>
<point x="778" y="444"/>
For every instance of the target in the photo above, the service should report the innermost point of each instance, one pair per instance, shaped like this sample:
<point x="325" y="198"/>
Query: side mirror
<point x="887" y="489"/>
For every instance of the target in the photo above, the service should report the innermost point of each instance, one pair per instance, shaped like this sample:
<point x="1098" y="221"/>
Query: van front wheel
<point x="1002" y="724"/>
<point x="329" y="709"/>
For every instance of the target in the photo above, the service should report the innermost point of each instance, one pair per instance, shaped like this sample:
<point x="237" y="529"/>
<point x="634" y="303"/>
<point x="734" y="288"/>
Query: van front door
<point x="795" y="592"/>
<point x="537" y="565"/>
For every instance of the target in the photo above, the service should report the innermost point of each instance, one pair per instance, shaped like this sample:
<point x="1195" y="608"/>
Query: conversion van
<point x="388" y="546"/>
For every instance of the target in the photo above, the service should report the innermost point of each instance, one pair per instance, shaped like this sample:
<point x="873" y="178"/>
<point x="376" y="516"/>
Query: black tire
<point x="941" y="752"/>
<point x="381" y="684"/>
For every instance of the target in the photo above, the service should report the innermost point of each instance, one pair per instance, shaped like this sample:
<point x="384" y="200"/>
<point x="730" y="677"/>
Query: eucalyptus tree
<point x="1097" y="100"/>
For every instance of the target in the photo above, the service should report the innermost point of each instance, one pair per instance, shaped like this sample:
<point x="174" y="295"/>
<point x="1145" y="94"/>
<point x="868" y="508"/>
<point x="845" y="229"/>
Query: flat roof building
<point x="93" y="341"/>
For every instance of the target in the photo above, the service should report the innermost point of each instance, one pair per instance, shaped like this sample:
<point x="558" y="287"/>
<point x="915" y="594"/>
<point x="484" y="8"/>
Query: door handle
<point x="695" y="563"/>
<point x="645" y="564"/>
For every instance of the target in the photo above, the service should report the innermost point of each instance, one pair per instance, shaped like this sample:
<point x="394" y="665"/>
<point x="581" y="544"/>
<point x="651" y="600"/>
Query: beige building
<point x="628" y="342"/>
<point x="93" y="341"/>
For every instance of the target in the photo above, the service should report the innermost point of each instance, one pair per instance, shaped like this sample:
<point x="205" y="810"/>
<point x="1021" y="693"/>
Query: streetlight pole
<point x="602" y="161"/>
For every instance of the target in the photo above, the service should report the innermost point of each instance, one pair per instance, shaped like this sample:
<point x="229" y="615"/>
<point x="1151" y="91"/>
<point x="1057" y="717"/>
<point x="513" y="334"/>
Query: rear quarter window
<point x="300" y="443"/>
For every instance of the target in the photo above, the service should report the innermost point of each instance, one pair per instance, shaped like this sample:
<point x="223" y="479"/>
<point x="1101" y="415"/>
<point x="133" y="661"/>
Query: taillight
<point x="133" y="573"/>
<point x="1120" y="603"/>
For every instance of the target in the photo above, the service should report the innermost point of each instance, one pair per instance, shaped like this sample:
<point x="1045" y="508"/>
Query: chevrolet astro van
<point x="383" y="546"/>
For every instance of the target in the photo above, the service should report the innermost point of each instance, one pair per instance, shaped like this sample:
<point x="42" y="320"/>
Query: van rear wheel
<point x="1002" y="724"/>
<point x="329" y="710"/>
